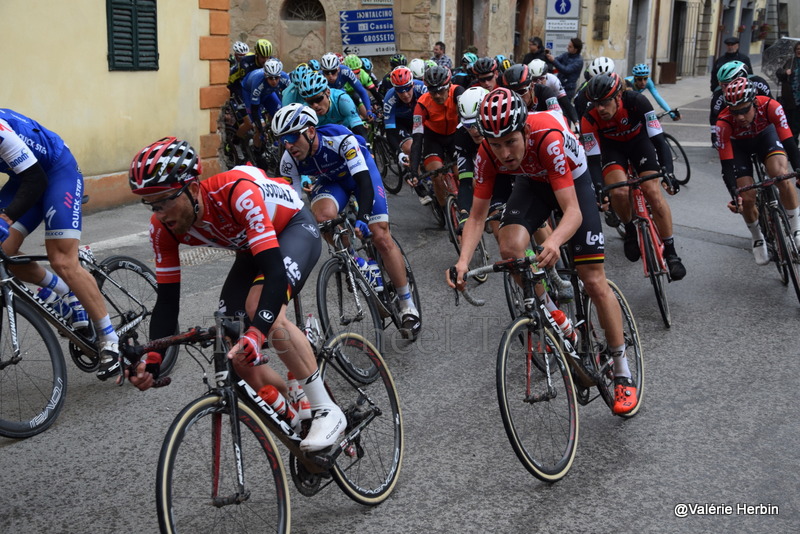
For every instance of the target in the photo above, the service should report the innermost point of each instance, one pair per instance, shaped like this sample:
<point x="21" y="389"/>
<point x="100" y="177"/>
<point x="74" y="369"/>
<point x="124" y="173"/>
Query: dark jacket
<point x="787" y="95"/>
<point x="725" y="58"/>
<point x="569" y="68"/>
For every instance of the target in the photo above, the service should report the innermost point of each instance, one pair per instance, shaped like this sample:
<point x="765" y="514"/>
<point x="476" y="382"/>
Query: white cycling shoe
<point x="327" y="428"/>
<point x="760" y="252"/>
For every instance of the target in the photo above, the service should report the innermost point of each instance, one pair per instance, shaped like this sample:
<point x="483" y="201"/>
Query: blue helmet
<point x="367" y="64"/>
<point x="314" y="65"/>
<point x="312" y="85"/>
<point x="298" y="73"/>
<point x="641" y="70"/>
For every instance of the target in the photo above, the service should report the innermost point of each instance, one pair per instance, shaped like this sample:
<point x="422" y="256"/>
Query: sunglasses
<point x="523" y="91"/>
<point x="316" y="99"/>
<point x="742" y="111"/>
<point x="641" y="78"/>
<point x="485" y="79"/>
<point x="291" y="138"/>
<point x="273" y="77"/>
<point x="539" y="79"/>
<point x="605" y="102"/>
<point x="330" y="72"/>
<point x="404" y="88"/>
<point x="439" y="90"/>
<point x="164" y="203"/>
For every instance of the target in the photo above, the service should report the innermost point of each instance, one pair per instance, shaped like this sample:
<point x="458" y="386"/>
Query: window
<point x="132" y="35"/>
<point x="305" y="10"/>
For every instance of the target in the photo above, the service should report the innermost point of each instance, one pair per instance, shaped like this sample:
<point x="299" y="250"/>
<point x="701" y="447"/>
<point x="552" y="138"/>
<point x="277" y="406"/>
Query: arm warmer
<point x="273" y="292"/>
<point x="367" y="195"/>
<point x="664" y="155"/>
<point x="166" y="311"/>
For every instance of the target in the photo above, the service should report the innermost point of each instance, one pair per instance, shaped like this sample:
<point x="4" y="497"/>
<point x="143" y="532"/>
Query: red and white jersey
<point x="768" y="111"/>
<point x="244" y="210"/>
<point x="548" y="158"/>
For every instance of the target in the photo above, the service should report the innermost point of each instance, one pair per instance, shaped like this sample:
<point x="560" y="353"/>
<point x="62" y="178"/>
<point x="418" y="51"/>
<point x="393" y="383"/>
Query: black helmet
<point x="603" y="87"/>
<point x="437" y="77"/>
<point x="398" y="60"/>
<point x="517" y="77"/>
<point x="484" y="65"/>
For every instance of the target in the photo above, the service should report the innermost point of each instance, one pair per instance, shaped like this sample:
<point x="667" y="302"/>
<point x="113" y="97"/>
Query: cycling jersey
<point x="544" y="99"/>
<point x="259" y="94"/>
<point x="718" y="99"/>
<point x="434" y="126"/>
<point x="341" y="111"/>
<point x="348" y="76"/>
<point x="552" y="81"/>
<point x="238" y="72"/>
<point x="398" y="116"/>
<point x="291" y="95"/>
<point x="650" y="86"/>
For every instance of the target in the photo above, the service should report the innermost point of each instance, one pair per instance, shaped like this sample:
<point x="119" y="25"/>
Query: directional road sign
<point x="368" y="32"/>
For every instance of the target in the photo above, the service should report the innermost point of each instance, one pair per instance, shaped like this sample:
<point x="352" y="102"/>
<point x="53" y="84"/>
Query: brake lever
<point x="454" y="279"/>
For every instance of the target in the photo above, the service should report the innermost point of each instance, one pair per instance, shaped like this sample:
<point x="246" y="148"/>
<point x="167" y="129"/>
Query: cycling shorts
<point x="61" y="201"/>
<point x="503" y="184"/>
<point x="639" y="152"/>
<point x="532" y="202"/>
<point x="764" y="145"/>
<point x="437" y="147"/>
<point x="340" y="191"/>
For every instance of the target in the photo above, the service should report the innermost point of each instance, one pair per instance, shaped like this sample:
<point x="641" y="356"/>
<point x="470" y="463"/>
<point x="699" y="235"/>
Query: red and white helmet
<point x="502" y="112"/>
<point x="169" y="163"/>
<point x="739" y="91"/>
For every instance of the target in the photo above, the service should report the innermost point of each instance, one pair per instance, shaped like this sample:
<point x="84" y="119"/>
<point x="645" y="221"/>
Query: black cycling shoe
<point x="676" y="269"/>
<point x="412" y="324"/>
<point x="631" y="246"/>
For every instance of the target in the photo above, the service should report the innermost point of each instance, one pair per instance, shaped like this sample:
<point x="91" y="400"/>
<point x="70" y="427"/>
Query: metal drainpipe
<point x="443" y="11"/>
<point x="655" y="39"/>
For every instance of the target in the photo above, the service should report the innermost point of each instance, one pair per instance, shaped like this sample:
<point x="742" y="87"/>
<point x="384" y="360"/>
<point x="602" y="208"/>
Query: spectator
<point x="789" y="76"/>
<point x="439" y="57"/>
<point x="535" y="51"/>
<point x="569" y="65"/>
<point x="731" y="54"/>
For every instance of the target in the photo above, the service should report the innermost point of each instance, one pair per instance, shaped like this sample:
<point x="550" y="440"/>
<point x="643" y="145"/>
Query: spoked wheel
<point x="514" y="297"/>
<point x="601" y="359"/>
<point x="789" y="256"/>
<point x="197" y="479"/>
<point x="389" y="295"/>
<point x="537" y="400"/>
<point x="658" y="277"/>
<point x="480" y="257"/>
<point x="680" y="162"/>
<point x="368" y="469"/>
<point x="387" y="164"/>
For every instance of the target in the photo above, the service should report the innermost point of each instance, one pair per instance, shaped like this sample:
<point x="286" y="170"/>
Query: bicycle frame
<point x="644" y="222"/>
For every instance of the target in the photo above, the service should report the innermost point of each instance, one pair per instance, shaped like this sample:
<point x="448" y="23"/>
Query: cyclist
<point x="343" y="166"/>
<point x="45" y="184"/>
<point x="398" y="110"/>
<point x="277" y="244"/>
<point x="435" y="122"/>
<point x="237" y="122"/>
<point x="641" y="82"/>
<point x="463" y="75"/>
<point x="756" y="124"/>
<point x="331" y="106"/>
<point x="538" y="70"/>
<point x="264" y="51"/>
<point x="548" y="166"/>
<point x="537" y="96"/>
<point x="356" y="64"/>
<point x="467" y="139"/>
<point x="397" y="60"/>
<point x="292" y="92"/>
<point x="725" y="75"/>
<point x="599" y="65"/>
<point x="485" y="72"/>
<point x="622" y="130"/>
<point x="338" y="75"/>
<point x="262" y="92"/>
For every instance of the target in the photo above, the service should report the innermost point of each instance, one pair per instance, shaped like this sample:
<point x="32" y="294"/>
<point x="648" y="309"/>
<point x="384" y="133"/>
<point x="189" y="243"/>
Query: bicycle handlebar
<point x="444" y="169"/>
<point x="635" y="182"/>
<point x="767" y="182"/>
<point x="511" y="265"/>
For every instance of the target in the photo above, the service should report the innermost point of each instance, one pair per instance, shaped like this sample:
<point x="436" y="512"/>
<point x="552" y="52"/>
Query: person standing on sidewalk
<point x="439" y="57"/>
<point x="731" y="54"/>
<point x="789" y="76"/>
<point x="569" y="65"/>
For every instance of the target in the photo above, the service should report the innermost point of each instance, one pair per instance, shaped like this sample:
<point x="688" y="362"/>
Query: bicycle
<point x="680" y="162"/>
<point x="385" y="156"/>
<point x="436" y="191"/>
<point x="344" y="290"/>
<point x="33" y="375"/>
<point x="650" y="244"/>
<point x="206" y="476"/>
<point x="541" y="376"/>
<point x="775" y="224"/>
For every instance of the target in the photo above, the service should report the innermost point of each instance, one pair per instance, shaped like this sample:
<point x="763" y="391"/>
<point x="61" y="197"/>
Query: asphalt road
<point x="717" y="427"/>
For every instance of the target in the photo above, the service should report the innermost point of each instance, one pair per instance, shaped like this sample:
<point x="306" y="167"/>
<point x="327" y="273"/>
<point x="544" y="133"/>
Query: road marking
<point x="121" y="241"/>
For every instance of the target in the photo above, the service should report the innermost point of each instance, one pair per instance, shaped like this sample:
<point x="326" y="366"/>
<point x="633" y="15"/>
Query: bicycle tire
<point x="600" y="358"/>
<point x="770" y="231"/>
<point x="139" y="283"/>
<point x="32" y="391"/>
<point x="551" y="424"/>
<point x="389" y="167"/>
<point x="514" y="296"/>
<point x="656" y="275"/>
<point x="389" y="296"/>
<point x="789" y="256"/>
<point x="190" y="475"/>
<point x="335" y="299"/>
<point x="680" y="162"/>
<point x="368" y="471"/>
<point x="480" y="257"/>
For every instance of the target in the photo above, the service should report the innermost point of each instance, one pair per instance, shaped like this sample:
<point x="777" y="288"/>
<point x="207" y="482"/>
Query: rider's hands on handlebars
<point x="362" y="227"/>
<point x="3" y="229"/>
<point x="144" y="373"/>
<point x="248" y="349"/>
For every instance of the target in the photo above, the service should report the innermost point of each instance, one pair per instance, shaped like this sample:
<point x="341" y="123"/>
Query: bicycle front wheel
<point x="388" y="165"/>
<point x="657" y="275"/>
<point x="680" y="162"/>
<point x="789" y="256"/>
<point x="197" y="486"/>
<point x="34" y="386"/>
<point x="367" y="471"/>
<point x="537" y="400"/>
<point x="129" y="287"/>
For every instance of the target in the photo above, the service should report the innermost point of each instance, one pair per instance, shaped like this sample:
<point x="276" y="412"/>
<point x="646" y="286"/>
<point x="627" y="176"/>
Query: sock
<point x="316" y="393"/>
<point x="794" y="219"/>
<point x="406" y="302"/>
<point x="105" y="330"/>
<point x="755" y="231"/>
<point x="620" y="361"/>
<point x="51" y="281"/>
<point x="669" y="246"/>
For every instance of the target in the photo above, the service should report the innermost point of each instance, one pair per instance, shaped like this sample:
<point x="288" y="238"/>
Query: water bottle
<point x="375" y="275"/>
<point x="273" y="397"/>
<point x="297" y="398"/>
<point x="565" y="325"/>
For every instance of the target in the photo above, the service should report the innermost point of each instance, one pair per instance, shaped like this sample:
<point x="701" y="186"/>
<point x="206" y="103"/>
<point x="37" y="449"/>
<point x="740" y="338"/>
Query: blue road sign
<point x="368" y="31"/>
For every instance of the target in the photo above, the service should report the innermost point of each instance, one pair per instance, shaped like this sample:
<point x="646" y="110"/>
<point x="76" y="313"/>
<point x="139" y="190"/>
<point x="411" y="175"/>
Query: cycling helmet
<point x="263" y="48"/>
<point x="601" y="65"/>
<point x="499" y="58"/>
<point x="641" y="70"/>
<point x="401" y="76"/>
<point x="298" y="73"/>
<point x="502" y="112"/>
<point x="367" y="64"/>
<point x="739" y="91"/>
<point x="437" y="77"/>
<point x="732" y="70"/>
<point x="429" y="63"/>
<point x="517" y="77"/>
<point x="469" y="102"/>
<point x="353" y="62"/>
<point x="169" y="163"/>
<point x="312" y="84"/>
<point x="603" y="87"/>
<point x="273" y="67"/>
<point x="505" y="65"/>
<point x="340" y="57"/>
<point x="240" y="48"/>
<point x="293" y="118"/>
<point x="538" y="68"/>
<point x="314" y="65"/>
<point x="468" y="59"/>
<point x="417" y="67"/>
<point x="484" y="65"/>
<point x="398" y="60"/>
<point x="329" y="62"/>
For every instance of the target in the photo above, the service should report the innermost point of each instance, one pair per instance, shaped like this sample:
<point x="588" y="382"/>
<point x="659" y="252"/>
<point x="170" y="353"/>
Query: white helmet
<point x="329" y="61"/>
<point x="601" y="65"/>
<point x="273" y="67"/>
<point x="468" y="103"/>
<point x="417" y="67"/>
<point x="240" y="48"/>
<point x="293" y="118"/>
<point x="538" y="68"/>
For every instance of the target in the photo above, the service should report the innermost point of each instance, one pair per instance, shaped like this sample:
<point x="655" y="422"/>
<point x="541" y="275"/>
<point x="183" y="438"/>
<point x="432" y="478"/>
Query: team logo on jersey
<point x="552" y="103"/>
<point x="267" y="315"/>
<point x="559" y="161"/>
<point x="350" y="154"/>
<point x="286" y="168"/>
<point x="312" y="229"/>
<point x="252" y="211"/>
<point x="589" y="142"/>
<point x="652" y="120"/>
<point x="292" y="270"/>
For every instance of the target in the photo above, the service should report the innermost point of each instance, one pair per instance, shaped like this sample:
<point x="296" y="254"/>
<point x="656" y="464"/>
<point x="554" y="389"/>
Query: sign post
<point x="368" y="32"/>
<point x="561" y="25"/>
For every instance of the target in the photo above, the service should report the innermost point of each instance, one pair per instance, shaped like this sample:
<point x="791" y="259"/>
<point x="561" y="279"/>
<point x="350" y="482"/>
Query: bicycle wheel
<point x="788" y="254"/>
<point x="480" y="257"/>
<point x="597" y="346"/>
<point x="389" y="295"/>
<point x="514" y="297"/>
<point x="680" y="162"/>
<point x="341" y="310"/>
<point x="33" y="388"/>
<point x="129" y="287"/>
<point x="537" y="402"/>
<point x="387" y="164"/>
<point x="197" y="480"/>
<point x="366" y="472"/>
<point x="657" y="275"/>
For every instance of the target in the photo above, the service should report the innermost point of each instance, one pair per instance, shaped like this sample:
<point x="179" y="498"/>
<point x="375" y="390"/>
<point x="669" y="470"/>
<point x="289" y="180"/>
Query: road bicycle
<point x="680" y="162"/>
<point x="775" y="224"/>
<point x="435" y="189"/>
<point x="651" y="246"/>
<point x="219" y="468"/>
<point x="541" y="377"/>
<point x="346" y="299"/>
<point x="385" y="157"/>
<point x="33" y="375"/>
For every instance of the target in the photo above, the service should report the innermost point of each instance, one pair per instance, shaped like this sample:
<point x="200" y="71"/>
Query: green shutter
<point x="132" y="34"/>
